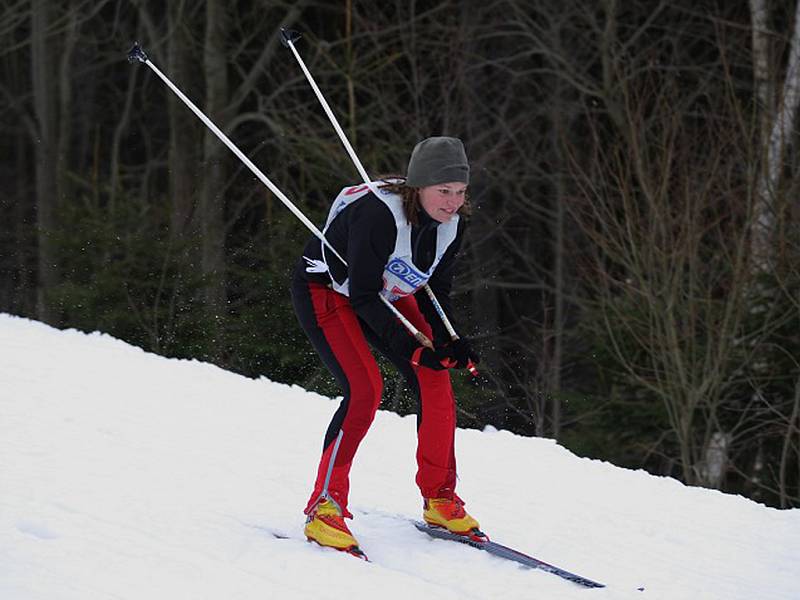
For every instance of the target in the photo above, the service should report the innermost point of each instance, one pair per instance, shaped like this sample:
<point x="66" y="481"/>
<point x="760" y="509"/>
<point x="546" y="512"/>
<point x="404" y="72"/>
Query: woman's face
<point x="442" y="201"/>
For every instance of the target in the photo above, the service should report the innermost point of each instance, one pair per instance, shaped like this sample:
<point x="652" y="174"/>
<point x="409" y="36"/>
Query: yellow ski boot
<point x="325" y="526"/>
<point x="449" y="513"/>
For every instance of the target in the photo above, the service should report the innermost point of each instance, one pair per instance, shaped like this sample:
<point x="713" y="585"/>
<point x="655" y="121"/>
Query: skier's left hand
<point x="464" y="353"/>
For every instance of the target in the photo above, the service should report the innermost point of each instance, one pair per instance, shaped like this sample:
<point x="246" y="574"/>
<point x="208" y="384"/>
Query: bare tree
<point x="777" y="119"/>
<point x="669" y="232"/>
<point x="45" y="105"/>
<point x="212" y="203"/>
<point x="184" y="129"/>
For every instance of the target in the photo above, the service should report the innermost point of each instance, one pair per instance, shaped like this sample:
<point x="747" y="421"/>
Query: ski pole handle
<point x="422" y="339"/>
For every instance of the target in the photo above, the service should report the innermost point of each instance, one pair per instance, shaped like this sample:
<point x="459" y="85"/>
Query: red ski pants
<point x="341" y="340"/>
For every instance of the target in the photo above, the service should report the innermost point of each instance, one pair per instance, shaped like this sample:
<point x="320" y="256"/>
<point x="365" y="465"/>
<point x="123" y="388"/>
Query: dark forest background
<point x="631" y="270"/>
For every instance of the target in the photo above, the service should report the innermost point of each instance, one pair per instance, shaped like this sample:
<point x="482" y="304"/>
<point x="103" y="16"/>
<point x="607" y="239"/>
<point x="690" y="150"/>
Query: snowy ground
<point x="129" y="476"/>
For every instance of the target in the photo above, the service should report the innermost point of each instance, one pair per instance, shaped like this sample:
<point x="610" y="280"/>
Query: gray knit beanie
<point x="437" y="160"/>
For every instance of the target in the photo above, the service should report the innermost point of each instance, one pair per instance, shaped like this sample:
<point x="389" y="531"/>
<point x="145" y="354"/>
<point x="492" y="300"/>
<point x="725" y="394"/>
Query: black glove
<point x="463" y="353"/>
<point x="438" y="359"/>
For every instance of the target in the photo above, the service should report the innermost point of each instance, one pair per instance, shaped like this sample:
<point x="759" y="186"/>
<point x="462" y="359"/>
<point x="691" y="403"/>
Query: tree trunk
<point x="45" y="144"/>
<point x="779" y="132"/>
<point x="212" y="206"/>
<point x="182" y="138"/>
<point x="789" y="447"/>
<point x="761" y="76"/>
<point x="65" y="77"/>
<point x="559" y="214"/>
<point x="23" y="300"/>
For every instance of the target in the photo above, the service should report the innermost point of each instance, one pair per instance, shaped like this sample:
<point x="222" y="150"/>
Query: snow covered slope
<point x="129" y="476"/>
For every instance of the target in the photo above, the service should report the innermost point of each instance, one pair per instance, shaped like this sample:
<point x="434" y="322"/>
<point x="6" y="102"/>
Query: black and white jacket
<point x="367" y="228"/>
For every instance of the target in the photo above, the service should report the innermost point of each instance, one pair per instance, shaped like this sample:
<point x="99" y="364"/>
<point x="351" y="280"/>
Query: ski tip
<point x="351" y="550"/>
<point x="357" y="552"/>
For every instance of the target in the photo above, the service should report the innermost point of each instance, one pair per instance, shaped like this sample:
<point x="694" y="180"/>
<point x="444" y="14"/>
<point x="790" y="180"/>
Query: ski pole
<point x="138" y="54"/>
<point x="289" y="37"/>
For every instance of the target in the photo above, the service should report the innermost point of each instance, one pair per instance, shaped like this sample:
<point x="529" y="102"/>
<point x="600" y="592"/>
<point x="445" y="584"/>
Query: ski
<point x="507" y="553"/>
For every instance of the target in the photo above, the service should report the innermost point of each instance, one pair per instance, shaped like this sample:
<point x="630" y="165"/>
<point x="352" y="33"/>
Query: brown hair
<point x="396" y="184"/>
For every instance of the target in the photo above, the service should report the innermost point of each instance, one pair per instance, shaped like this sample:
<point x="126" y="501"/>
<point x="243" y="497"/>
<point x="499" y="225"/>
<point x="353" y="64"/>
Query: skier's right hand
<point x="464" y="353"/>
<point x="437" y="359"/>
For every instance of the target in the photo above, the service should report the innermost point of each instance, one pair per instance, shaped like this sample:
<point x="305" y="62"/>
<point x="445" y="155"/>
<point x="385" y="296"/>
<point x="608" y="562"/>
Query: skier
<point x="396" y="235"/>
